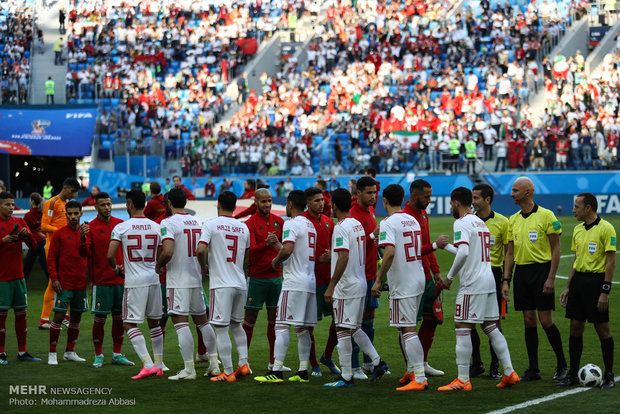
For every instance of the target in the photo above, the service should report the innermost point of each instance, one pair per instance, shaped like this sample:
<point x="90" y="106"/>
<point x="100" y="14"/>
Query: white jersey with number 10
<point x="298" y="269"/>
<point x="227" y="238"/>
<point x="476" y="275"/>
<point x="140" y="238"/>
<point x="183" y="270"/>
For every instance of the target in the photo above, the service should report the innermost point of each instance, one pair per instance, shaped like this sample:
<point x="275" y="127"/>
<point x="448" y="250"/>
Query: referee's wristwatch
<point x="506" y="280"/>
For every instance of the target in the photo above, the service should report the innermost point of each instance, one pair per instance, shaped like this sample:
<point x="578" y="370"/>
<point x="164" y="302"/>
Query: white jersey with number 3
<point x="349" y="235"/>
<point x="183" y="269"/>
<point x="476" y="275"/>
<point x="298" y="269"/>
<point x="406" y="275"/>
<point x="139" y="239"/>
<point x="227" y="238"/>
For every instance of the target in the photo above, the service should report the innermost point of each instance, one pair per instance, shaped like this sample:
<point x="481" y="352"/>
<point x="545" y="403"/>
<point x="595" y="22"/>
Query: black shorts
<point x="498" y="273"/>
<point x="583" y="294"/>
<point x="528" y="282"/>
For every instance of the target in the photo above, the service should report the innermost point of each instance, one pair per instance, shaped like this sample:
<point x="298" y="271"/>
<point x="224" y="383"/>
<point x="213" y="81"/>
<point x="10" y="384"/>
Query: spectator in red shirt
<point x="324" y="226"/>
<point x="209" y="188"/>
<point x="155" y="207"/>
<point x="362" y="210"/>
<point x="67" y="263"/>
<point x="33" y="220"/>
<point x="90" y="200"/>
<point x="249" y="188"/>
<point x="108" y="287"/>
<point x="13" y="231"/>
<point x="265" y="282"/>
<point x="562" y="153"/>
<point x="176" y="180"/>
<point x="421" y="192"/>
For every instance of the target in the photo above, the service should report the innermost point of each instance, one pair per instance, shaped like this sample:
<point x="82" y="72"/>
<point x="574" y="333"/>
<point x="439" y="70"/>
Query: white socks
<point x="362" y="340"/>
<point x="415" y="355"/>
<point x="463" y="352"/>
<point x="139" y="345"/>
<point x="186" y="341"/>
<point x="280" y="346"/>
<point x="345" y="349"/>
<point x="241" y="341"/>
<point x="500" y="346"/>
<point x="304" y="344"/>
<point x="224" y="347"/>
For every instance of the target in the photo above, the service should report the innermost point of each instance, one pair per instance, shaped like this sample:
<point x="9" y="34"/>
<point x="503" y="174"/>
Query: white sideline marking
<point x="542" y="400"/>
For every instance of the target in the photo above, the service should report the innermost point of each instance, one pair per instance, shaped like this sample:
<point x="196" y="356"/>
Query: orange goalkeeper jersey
<point x="53" y="218"/>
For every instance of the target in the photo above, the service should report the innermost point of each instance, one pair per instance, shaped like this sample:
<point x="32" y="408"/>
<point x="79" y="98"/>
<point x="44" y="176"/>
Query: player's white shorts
<point x="141" y="302"/>
<point x="476" y="308"/>
<point x="404" y="311"/>
<point x="348" y="313"/>
<point x="296" y="308"/>
<point x="186" y="301"/>
<point x="226" y="305"/>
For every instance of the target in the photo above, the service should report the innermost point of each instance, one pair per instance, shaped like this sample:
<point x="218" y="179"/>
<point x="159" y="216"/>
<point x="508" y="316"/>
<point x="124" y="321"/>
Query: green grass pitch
<point x="161" y="395"/>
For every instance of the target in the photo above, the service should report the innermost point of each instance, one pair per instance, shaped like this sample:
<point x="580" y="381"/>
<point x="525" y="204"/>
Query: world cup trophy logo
<point x="39" y="125"/>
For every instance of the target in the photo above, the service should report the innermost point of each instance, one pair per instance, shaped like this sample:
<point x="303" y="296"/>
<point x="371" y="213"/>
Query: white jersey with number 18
<point x="227" y="238"/>
<point x="298" y="269"/>
<point x="139" y="239"/>
<point x="183" y="270"/>
<point x="406" y="275"/>
<point x="476" y="275"/>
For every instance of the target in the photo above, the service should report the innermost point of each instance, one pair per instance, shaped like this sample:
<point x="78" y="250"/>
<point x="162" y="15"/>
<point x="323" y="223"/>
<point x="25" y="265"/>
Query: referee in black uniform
<point x="534" y="245"/>
<point x="586" y="295"/>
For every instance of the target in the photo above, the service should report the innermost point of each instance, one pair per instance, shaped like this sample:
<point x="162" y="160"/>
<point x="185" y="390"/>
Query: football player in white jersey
<point x="140" y="239"/>
<point x="347" y="290"/>
<point x="228" y="240"/>
<point x="400" y="235"/>
<point x="297" y="302"/>
<point x="476" y="301"/>
<point x="180" y="233"/>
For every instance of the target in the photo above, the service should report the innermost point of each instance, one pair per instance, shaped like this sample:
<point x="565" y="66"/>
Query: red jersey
<point x="327" y="207"/>
<point x="369" y="222"/>
<point x="261" y="255"/>
<point x="97" y="243"/>
<point x="155" y="207"/>
<point x="324" y="227"/>
<point x="428" y="257"/>
<point x="246" y="212"/>
<point x="247" y="195"/>
<point x="66" y="260"/>
<point x="11" y="253"/>
<point x="33" y="220"/>
<point x="90" y="201"/>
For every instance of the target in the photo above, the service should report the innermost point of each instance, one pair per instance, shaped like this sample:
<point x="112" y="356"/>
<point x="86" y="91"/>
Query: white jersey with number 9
<point x="298" y="270"/>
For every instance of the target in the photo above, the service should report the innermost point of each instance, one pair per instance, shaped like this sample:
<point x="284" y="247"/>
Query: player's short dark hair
<point x="371" y="172"/>
<point x="71" y="182"/>
<point x="462" y="195"/>
<point x="101" y="195"/>
<point x="322" y="184"/>
<point x="155" y="188"/>
<point x="36" y="198"/>
<point x="178" y="197"/>
<point x="394" y="194"/>
<point x="73" y="204"/>
<point x="311" y="192"/>
<point x="589" y="200"/>
<point x="298" y="198"/>
<point x="485" y="191"/>
<point x="364" y="182"/>
<point x="341" y="198"/>
<point x="419" y="185"/>
<point x="227" y="200"/>
<point x="5" y="195"/>
<point x="137" y="197"/>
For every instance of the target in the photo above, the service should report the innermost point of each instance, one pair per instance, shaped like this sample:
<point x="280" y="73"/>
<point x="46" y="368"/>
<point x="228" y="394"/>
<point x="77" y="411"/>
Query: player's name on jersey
<point x="226" y="227"/>
<point x="141" y="227"/>
<point x="191" y="222"/>
<point x="408" y="223"/>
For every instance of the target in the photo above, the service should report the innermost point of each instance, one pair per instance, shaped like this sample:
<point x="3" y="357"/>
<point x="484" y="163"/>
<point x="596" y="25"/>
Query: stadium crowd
<point x="16" y="35"/>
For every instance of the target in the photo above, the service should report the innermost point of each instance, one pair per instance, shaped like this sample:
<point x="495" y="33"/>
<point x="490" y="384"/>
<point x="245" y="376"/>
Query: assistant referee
<point x="534" y="245"/>
<point x="586" y="295"/>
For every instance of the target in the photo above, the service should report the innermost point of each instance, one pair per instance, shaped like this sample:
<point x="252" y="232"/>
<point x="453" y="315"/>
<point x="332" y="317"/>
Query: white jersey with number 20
<point x="227" y="238"/>
<point x="476" y="275"/>
<point x="139" y="239"/>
